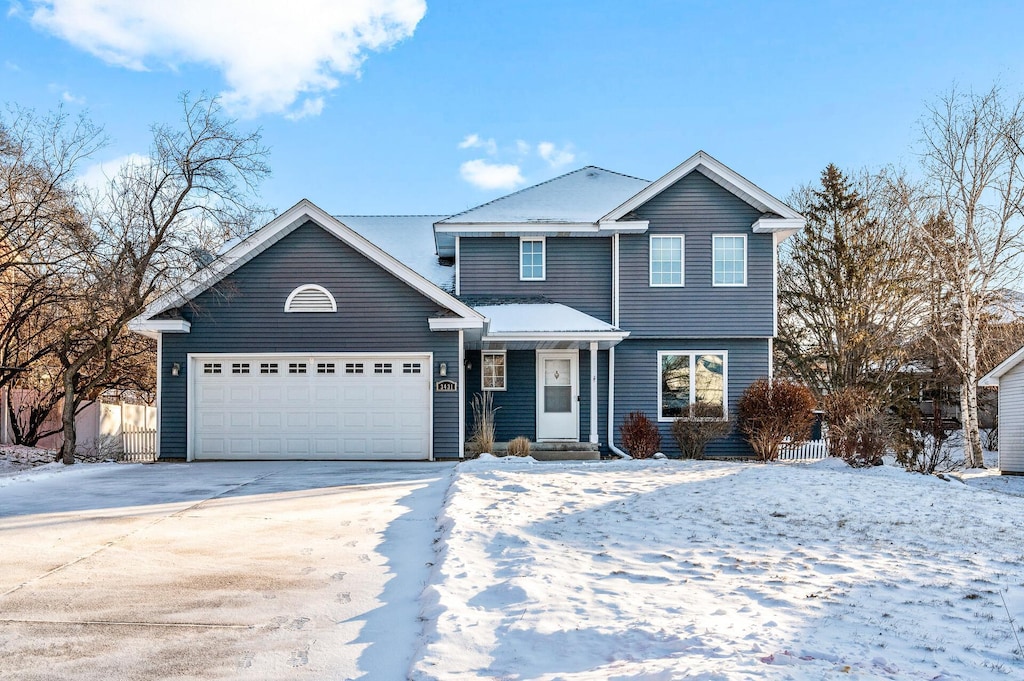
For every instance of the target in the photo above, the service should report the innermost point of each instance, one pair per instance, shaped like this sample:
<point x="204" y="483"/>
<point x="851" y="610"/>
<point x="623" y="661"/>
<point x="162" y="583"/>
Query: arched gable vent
<point x="310" y="298"/>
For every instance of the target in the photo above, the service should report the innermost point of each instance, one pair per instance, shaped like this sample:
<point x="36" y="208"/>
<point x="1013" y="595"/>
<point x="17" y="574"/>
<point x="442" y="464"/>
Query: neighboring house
<point x="1009" y="378"/>
<point x="573" y="302"/>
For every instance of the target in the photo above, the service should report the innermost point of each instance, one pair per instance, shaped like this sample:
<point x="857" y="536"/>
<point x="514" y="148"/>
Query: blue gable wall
<point x="377" y="312"/>
<point x="696" y="207"/>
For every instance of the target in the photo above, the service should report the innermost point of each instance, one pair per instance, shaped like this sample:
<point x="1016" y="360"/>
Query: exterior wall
<point x="636" y="383"/>
<point x="1011" y="421"/>
<point x="245" y="314"/>
<point x="577" y="269"/>
<point x="517" y="413"/>
<point x="697" y="208"/>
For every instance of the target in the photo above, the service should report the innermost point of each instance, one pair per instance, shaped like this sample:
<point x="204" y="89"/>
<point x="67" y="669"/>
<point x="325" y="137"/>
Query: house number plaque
<point x="446" y="386"/>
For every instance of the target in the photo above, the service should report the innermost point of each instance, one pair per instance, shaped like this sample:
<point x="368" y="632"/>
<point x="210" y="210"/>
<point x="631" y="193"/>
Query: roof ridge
<point x="390" y="215"/>
<point x="534" y="186"/>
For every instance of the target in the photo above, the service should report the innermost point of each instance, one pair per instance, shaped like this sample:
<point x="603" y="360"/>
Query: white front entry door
<point x="558" y="395"/>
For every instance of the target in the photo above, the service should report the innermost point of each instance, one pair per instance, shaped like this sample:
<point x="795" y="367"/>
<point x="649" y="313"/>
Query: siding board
<point x="1011" y="420"/>
<point x="377" y="312"/>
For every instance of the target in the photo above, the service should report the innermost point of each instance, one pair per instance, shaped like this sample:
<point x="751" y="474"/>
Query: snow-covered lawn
<point x="708" y="570"/>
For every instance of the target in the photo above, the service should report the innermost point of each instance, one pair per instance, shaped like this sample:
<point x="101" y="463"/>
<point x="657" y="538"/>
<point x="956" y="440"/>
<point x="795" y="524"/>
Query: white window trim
<point x="682" y="260"/>
<point x="543" y="257"/>
<point x="693" y="375"/>
<point x="713" y="250"/>
<point x="308" y="287"/>
<point x="504" y="365"/>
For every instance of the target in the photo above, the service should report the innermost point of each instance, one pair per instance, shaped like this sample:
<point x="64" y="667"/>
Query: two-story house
<point x="573" y="302"/>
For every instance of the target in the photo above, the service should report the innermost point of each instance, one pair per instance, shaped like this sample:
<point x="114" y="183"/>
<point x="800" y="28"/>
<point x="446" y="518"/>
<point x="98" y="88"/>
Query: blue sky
<point x="401" y="106"/>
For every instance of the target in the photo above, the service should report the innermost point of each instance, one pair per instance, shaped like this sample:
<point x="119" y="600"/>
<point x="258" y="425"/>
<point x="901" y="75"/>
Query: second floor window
<point x="531" y="259"/>
<point x="666" y="261"/>
<point x="730" y="260"/>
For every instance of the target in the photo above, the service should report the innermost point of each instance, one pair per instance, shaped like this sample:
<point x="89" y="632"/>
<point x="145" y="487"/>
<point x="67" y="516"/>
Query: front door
<point x="558" y="395"/>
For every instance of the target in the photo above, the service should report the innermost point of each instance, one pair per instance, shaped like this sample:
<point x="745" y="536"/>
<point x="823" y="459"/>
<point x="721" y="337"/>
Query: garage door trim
<point x="194" y="361"/>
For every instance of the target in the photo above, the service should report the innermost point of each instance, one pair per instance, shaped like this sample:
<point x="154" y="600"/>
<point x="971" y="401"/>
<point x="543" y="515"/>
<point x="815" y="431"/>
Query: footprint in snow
<point x="344" y="597"/>
<point x="299" y="658"/>
<point x="338" y="576"/>
<point x="245" y="661"/>
<point x="298" y="624"/>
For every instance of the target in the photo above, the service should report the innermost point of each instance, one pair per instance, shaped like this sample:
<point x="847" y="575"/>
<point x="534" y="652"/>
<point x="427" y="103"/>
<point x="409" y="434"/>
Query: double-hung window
<point x="667" y="260"/>
<point x="531" y="259"/>
<point x="493" y="371"/>
<point x="729" y="257"/>
<point x="692" y="384"/>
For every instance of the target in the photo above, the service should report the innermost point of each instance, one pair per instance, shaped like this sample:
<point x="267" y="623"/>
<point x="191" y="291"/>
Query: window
<point x="691" y="377"/>
<point x="531" y="259"/>
<point x="382" y="368"/>
<point x="493" y="371"/>
<point x="325" y="367"/>
<point x="310" y="298"/>
<point x="729" y="255"/>
<point x="411" y="368"/>
<point x="297" y="368"/>
<point x="268" y="367"/>
<point x="666" y="261"/>
<point x="353" y="367"/>
<point x="211" y="368"/>
<point x="240" y="368"/>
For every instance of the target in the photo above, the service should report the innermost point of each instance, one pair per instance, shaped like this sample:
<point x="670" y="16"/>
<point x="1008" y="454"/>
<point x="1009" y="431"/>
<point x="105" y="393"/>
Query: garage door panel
<point x="317" y="414"/>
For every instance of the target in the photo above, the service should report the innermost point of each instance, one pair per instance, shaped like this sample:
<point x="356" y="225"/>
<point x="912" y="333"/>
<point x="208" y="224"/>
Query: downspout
<point x="611" y="351"/>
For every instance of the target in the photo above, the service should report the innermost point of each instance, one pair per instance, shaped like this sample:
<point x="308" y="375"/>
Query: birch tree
<point x="974" y="164"/>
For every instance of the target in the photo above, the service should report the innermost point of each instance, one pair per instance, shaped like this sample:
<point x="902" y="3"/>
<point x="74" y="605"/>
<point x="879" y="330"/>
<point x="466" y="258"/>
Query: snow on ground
<point x="716" y="570"/>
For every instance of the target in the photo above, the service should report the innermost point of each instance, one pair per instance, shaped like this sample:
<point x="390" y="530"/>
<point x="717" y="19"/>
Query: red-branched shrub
<point x="640" y="435"/>
<point x="772" y="411"/>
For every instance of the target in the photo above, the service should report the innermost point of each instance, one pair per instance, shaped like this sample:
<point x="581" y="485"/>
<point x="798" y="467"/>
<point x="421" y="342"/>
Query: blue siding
<point x="602" y="397"/>
<point x="578" y="271"/>
<point x="696" y="207"/>
<point x="377" y="312"/>
<point x="636" y="383"/>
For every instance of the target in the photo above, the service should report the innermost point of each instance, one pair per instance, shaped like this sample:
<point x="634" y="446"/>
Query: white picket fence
<point x="139" y="444"/>
<point x="804" y="451"/>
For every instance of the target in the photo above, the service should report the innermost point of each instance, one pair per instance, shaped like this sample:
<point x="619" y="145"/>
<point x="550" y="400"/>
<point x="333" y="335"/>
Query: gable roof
<point x="581" y="196"/>
<point x="722" y="175"/>
<point x="992" y="378"/>
<point x="275" y="230"/>
<point x="409" y="238"/>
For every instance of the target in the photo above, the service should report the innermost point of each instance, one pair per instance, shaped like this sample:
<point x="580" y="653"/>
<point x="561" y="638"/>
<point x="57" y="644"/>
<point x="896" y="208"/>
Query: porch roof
<point x="523" y="326"/>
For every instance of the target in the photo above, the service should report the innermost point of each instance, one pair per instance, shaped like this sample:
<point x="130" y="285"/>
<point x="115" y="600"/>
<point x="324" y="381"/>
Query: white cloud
<point x="72" y="99"/>
<point x="556" y="157"/>
<point x="523" y="147"/>
<point x="97" y="176"/>
<point x="276" y="57"/>
<point x="475" y="142"/>
<point x="486" y="175"/>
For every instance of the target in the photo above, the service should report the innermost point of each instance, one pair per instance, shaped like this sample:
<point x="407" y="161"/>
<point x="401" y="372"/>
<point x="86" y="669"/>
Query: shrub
<point x="692" y="435"/>
<point x="772" y="411"/>
<point x="640" y="435"/>
<point x="859" y="429"/>
<point x="482" y="439"/>
<point x="520" y="446"/>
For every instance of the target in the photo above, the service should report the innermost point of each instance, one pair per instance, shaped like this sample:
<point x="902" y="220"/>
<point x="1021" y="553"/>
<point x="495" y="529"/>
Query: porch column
<point x="593" y="392"/>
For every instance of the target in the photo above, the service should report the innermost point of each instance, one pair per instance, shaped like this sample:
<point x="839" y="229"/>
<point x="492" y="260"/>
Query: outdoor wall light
<point x="175" y="369"/>
<point x="469" y="365"/>
<point x="443" y="369"/>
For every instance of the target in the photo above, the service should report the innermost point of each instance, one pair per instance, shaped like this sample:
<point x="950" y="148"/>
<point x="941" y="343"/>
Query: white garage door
<point x="317" y="407"/>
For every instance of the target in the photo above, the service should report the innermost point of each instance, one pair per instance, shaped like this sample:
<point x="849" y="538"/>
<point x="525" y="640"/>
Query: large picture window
<point x="666" y="261"/>
<point x="729" y="253"/>
<point x="691" y="377"/>
<point x="531" y="259"/>
<point x="493" y="370"/>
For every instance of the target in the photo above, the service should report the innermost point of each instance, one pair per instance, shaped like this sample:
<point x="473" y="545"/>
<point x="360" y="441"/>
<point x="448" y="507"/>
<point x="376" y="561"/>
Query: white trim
<point x="713" y="252"/>
<point x="462" y="395"/>
<point x="584" y="336"/>
<point x="771" y="358"/>
<point x="159" y="387"/>
<point x="717" y="172"/>
<point x="504" y="369"/>
<point x="682" y="260"/>
<point x="693" y="377"/>
<point x="624" y="226"/>
<point x="192" y="361"/>
<point x="615" y="281"/>
<point x="276" y="230"/>
<point x="574" y="400"/>
<point x="543" y="257"/>
<point x="611" y="407"/>
<point x="513" y="228"/>
<point x="458" y="267"/>
<point x="154" y="327"/>
<point x="309" y="287"/>
<point x="991" y="379"/>
<point x="787" y="226"/>
<point x="454" y="323"/>
<point x="775" y="285"/>
<point x="593" y="393"/>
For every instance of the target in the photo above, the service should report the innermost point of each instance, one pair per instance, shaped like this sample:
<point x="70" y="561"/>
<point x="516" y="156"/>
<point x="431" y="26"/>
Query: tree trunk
<point x="67" y="449"/>
<point x="969" y="328"/>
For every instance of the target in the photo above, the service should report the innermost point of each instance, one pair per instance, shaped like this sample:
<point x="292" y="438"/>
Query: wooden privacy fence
<point x="804" y="451"/>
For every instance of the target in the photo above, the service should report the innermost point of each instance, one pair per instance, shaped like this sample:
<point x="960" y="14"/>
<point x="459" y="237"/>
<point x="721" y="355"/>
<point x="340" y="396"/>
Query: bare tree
<point x="974" y="164"/>
<point x="197" y="186"/>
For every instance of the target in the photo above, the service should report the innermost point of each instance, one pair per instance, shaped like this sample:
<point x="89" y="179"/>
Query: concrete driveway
<point x="249" y="570"/>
